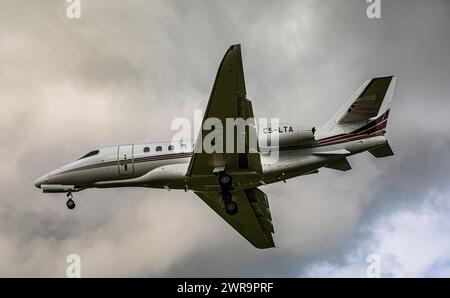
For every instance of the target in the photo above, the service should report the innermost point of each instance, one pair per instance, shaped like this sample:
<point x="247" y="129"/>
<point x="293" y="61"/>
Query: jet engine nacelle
<point x="287" y="134"/>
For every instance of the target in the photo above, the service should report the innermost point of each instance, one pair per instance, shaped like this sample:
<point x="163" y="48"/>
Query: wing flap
<point x="253" y="220"/>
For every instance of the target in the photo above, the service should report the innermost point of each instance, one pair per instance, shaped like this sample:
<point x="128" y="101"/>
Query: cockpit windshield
<point x="92" y="153"/>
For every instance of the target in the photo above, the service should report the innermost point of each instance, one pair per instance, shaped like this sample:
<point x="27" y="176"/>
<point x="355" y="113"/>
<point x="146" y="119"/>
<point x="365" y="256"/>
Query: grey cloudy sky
<point x="122" y="72"/>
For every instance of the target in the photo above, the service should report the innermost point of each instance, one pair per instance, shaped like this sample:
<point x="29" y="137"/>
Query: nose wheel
<point x="70" y="203"/>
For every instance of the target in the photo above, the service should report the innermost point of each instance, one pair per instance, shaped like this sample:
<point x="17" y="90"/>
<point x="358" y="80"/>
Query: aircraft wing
<point x="253" y="221"/>
<point x="227" y="100"/>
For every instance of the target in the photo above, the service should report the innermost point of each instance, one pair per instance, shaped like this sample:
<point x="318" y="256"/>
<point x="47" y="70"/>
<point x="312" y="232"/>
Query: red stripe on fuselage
<point x="346" y="137"/>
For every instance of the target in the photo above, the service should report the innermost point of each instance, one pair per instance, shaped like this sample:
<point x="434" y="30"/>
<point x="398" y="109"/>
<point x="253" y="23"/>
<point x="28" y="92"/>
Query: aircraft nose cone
<point x="40" y="181"/>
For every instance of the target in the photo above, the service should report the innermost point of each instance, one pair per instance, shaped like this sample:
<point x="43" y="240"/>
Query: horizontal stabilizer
<point x="382" y="151"/>
<point x="333" y="152"/>
<point x="340" y="165"/>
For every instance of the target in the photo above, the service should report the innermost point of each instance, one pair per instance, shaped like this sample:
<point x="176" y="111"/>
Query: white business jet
<point x="229" y="182"/>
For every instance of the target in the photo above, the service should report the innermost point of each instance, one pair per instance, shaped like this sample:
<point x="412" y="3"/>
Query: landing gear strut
<point x="70" y="203"/>
<point x="225" y="184"/>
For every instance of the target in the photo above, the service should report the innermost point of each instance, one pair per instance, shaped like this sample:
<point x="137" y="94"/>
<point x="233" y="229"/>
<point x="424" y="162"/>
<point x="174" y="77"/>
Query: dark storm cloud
<point x="125" y="70"/>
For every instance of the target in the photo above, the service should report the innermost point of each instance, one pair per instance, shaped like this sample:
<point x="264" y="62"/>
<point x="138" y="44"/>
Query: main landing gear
<point x="225" y="184"/>
<point x="70" y="203"/>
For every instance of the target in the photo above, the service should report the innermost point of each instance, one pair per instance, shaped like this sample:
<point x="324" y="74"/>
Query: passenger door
<point x="125" y="159"/>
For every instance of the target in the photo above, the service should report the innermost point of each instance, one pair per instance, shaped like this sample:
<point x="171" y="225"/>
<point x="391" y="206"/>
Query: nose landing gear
<point x="70" y="203"/>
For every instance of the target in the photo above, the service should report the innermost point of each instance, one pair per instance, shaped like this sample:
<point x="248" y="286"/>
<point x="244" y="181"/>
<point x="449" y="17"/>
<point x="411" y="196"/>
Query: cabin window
<point x="170" y="148"/>
<point x="92" y="153"/>
<point x="146" y="149"/>
<point x="158" y="148"/>
<point x="183" y="146"/>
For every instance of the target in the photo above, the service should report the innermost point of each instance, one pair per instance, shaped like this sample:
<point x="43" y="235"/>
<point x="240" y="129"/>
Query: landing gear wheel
<point x="231" y="207"/>
<point x="70" y="204"/>
<point x="225" y="180"/>
<point x="225" y="184"/>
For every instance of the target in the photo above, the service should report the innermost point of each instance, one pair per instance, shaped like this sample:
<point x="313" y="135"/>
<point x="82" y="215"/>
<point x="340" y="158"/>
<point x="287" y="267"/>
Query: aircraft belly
<point x="209" y="183"/>
<point x="300" y="162"/>
<point x="296" y="166"/>
<point x="366" y="144"/>
<point x="170" y="176"/>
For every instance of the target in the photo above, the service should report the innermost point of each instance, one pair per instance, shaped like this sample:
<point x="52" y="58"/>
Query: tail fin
<point x="370" y="102"/>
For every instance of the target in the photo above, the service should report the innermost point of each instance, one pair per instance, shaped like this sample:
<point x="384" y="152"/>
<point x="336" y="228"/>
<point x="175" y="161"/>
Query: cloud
<point x="410" y="242"/>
